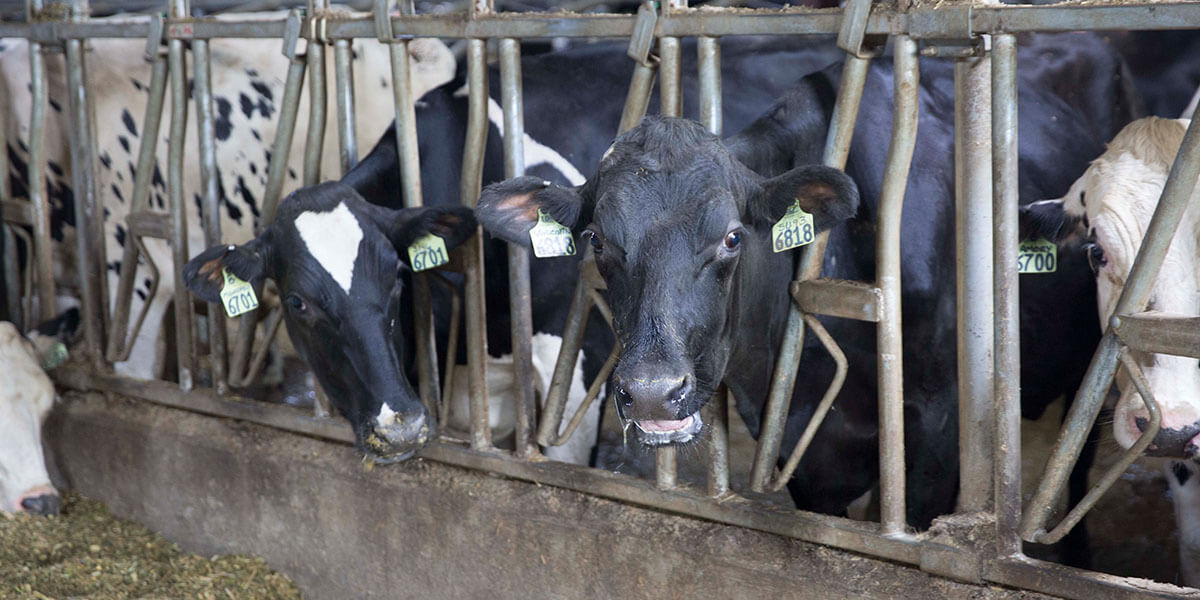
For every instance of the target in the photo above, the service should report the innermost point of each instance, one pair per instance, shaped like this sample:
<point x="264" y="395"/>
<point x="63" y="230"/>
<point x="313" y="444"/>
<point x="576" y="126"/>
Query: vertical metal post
<point x="787" y="363"/>
<point x="1007" y="315"/>
<point x="210" y="199"/>
<point x="89" y="217"/>
<point x="184" y="319"/>
<point x="410" y="174"/>
<point x="519" y="294"/>
<point x="887" y="261"/>
<point x="282" y="146"/>
<point x="42" y="254"/>
<point x="474" y="150"/>
<point x="344" y="79"/>
<point x="314" y="143"/>
<point x="973" y="242"/>
<point x="708" y="50"/>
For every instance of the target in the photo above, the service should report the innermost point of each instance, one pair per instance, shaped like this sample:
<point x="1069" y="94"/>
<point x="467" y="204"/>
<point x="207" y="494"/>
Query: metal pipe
<point x="708" y="50"/>
<point x="119" y="335"/>
<point x="665" y="468"/>
<point x="641" y="85"/>
<point x="451" y="344"/>
<point x="343" y="58"/>
<point x="1007" y="308"/>
<point x="474" y="150"/>
<point x="787" y="362"/>
<point x="1175" y="196"/>
<point x="282" y="146"/>
<point x="564" y="367"/>
<point x="519" y="293"/>
<point x="314" y="52"/>
<point x="43" y="257"/>
<point x="887" y="263"/>
<point x="973" y="243"/>
<point x="184" y="319"/>
<point x="717" y="416"/>
<point x="210" y="200"/>
<point x="670" y="92"/>
<point x="89" y="218"/>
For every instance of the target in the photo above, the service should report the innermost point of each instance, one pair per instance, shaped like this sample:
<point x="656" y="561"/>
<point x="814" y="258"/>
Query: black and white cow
<point x="247" y="84"/>
<point x="1109" y="208"/>
<point x="26" y="396"/>
<point x="387" y="426"/>
<point x="681" y="228"/>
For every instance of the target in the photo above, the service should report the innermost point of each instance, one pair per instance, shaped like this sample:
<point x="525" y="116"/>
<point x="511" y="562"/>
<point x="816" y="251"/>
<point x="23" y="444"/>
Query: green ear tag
<point x="1037" y="256"/>
<point x="427" y="252"/>
<point x="54" y="356"/>
<point x="550" y="238"/>
<point x="795" y="229"/>
<point x="237" y="295"/>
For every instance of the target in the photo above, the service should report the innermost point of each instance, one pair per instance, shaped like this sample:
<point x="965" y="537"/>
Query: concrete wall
<point x="427" y="530"/>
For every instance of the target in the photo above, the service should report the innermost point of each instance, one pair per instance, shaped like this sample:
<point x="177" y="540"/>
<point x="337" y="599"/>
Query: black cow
<point x="342" y="302"/>
<point x="682" y="232"/>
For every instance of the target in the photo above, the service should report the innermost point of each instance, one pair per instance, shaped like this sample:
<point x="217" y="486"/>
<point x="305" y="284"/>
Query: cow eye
<point x="1095" y="255"/>
<point x="297" y="303"/>
<point x="595" y="241"/>
<point x="732" y="240"/>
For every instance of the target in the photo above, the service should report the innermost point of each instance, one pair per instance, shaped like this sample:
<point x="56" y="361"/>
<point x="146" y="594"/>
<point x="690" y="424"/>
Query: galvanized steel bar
<point x="184" y="319"/>
<point x="717" y="415"/>
<point x="210" y="200"/>
<point x="1159" y="332"/>
<point x="344" y="79"/>
<point x="1171" y="205"/>
<point x="973" y="244"/>
<point x="665" y="468"/>
<point x="281" y="148"/>
<point x="43" y="257"/>
<point x="410" y="175"/>
<point x="89" y="217"/>
<point x="474" y="150"/>
<point x="314" y="52"/>
<point x="787" y="363"/>
<point x="519" y="293"/>
<point x="887" y="263"/>
<point x="1007" y="308"/>
<point x="119" y="335"/>
<point x="708" y="50"/>
<point x="564" y="368"/>
<point x="641" y="86"/>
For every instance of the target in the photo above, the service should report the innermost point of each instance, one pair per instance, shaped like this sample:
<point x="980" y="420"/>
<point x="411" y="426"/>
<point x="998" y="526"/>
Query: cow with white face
<point x="26" y="395"/>
<point x="247" y="89"/>
<point x="1109" y="209"/>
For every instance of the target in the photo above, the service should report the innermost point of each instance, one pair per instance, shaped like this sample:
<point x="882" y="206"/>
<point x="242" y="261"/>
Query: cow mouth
<point x="661" y="433"/>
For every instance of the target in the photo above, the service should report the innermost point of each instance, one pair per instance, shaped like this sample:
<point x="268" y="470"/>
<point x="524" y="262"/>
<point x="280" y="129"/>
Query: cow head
<point x="1109" y="208"/>
<point x="677" y="224"/>
<point x="26" y="395"/>
<point x="335" y="258"/>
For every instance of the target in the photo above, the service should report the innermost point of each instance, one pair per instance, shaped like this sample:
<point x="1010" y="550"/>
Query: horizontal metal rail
<point x="882" y="21"/>
<point x="1153" y="331"/>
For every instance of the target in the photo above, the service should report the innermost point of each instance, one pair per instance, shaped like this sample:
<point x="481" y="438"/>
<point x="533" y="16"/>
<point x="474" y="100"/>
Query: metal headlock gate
<point x="981" y="542"/>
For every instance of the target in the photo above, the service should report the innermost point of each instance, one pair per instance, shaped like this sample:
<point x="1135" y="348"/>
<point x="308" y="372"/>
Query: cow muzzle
<point x="1173" y="443"/>
<point x="653" y="404"/>
<point x="43" y="501"/>
<point x="398" y="439"/>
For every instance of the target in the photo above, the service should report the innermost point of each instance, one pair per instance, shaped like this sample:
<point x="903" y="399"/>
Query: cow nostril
<point x="45" y="504"/>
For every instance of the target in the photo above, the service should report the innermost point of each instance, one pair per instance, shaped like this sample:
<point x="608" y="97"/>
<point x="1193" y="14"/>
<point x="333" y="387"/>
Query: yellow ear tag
<point x="793" y="230"/>
<point x="427" y="252"/>
<point x="550" y="238"/>
<point x="237" y="295"/>
<point x="1037" y="256"/>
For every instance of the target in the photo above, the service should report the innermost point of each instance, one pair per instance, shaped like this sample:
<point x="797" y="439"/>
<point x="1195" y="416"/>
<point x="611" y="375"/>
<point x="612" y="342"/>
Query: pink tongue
<point x="664" y="426"/>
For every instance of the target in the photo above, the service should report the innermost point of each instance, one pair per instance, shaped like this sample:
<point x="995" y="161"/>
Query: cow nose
<point x="398" y="436"/>
<point x="1173" y="443"/>
<point x="44" y="504"/>
<point x="652" y="397"/>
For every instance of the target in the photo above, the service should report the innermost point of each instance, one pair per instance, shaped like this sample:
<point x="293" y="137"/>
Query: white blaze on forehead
<point x="332" y="239"/>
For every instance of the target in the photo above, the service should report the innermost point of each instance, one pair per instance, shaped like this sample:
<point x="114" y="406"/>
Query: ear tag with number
<point x="237" y="295"/>
<point x="550" y="238"/>
<point x="1037" y="256"/>
<point x="793" y="230"/>
<point x="427" y="252"/>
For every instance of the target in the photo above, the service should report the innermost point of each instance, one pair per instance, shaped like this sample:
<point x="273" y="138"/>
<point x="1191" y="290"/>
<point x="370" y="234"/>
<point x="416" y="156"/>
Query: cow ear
<point x="828" y="194"/>
<point x="509" y="209"/>
<point x="1046" y="219"/>
<point x="454" y="224"/>
<point x="248" y="262"/>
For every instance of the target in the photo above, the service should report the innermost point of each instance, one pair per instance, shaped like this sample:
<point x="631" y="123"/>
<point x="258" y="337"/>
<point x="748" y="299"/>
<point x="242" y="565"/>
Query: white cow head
<point x="26" y="395"/>
<point x="1111" y="206"/>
